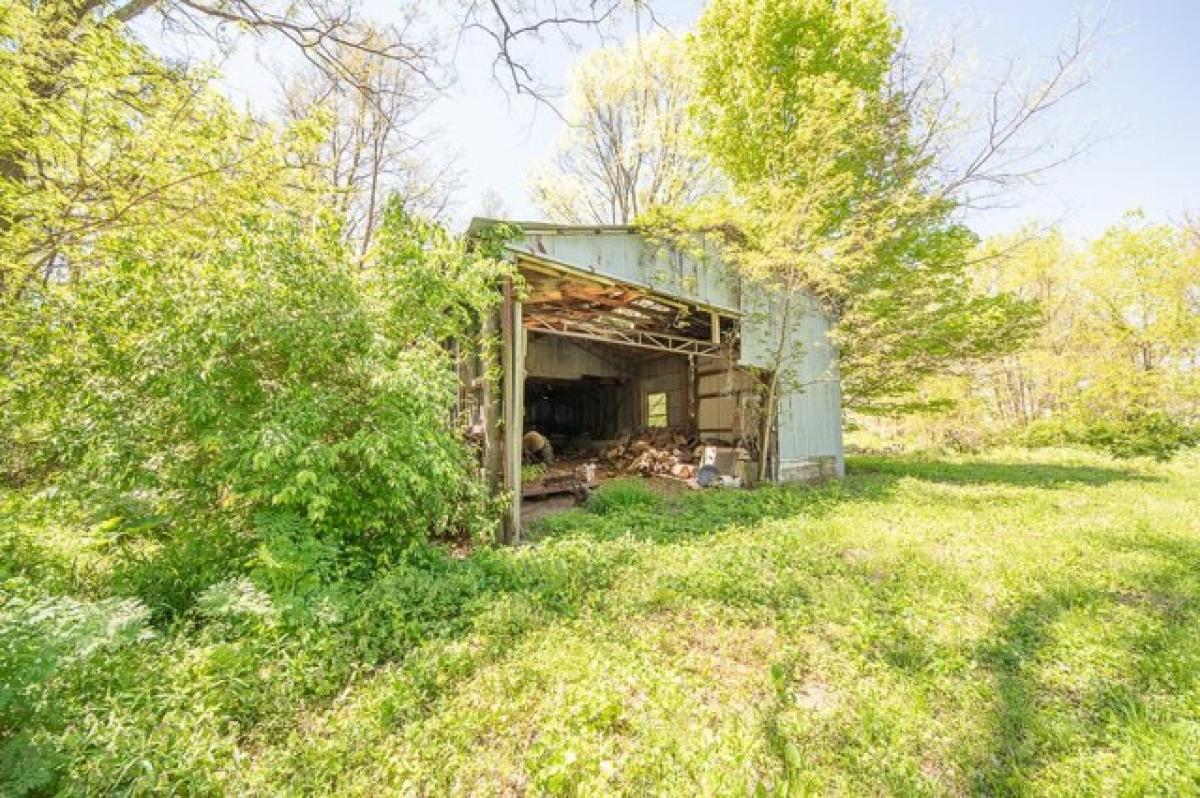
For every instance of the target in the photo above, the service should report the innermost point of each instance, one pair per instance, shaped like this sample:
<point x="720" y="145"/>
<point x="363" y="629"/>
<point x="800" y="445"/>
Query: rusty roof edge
<point x="591" y="273"/>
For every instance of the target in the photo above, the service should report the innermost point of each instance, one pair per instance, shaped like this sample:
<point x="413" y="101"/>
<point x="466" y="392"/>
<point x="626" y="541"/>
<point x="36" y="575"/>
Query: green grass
<point x="1008" y="624"/>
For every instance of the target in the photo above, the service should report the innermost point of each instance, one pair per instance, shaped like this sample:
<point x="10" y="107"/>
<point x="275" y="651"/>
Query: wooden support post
<point x="512" y="355"/>
<point x="491" y="404"/>
<point x="715" y="321"/>
<point x="519" y="349"/>
<point x="693" y="389"/>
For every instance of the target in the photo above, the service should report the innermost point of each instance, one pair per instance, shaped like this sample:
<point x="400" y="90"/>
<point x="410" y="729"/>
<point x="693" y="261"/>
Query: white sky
<point x="1145" y="102"/>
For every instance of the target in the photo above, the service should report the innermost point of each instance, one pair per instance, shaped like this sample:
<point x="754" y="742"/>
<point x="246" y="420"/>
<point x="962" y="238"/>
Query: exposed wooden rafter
<point x="589" y="307"/>
<point x="642" y="339"/>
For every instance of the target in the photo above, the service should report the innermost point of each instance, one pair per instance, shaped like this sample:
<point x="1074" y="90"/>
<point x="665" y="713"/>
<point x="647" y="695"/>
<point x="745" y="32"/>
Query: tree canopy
<point x="627" y="144"/>
<point x="833" y="194"/>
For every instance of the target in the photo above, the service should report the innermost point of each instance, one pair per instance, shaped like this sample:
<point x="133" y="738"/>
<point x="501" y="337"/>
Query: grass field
<point x="1006" y="624"/>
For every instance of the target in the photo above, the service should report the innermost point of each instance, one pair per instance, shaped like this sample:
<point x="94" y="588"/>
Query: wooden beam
<point x="585" y="290"/>
<point x="693" y="393"/>
<point x="492" y="403"/>
<point x="543" y="297"/>
<point x="519" y="348"/>
<point x="512" y="352"/>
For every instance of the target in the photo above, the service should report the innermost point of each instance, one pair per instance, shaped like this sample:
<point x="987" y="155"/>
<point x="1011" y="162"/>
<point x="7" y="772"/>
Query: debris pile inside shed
<point x="660" y="452"/>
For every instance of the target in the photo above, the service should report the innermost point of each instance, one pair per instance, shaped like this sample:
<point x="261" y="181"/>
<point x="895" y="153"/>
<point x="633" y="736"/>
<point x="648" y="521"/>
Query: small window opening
<point x="656" y="413"/>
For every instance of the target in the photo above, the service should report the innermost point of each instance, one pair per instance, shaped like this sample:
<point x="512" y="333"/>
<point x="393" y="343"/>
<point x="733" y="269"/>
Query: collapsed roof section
<point x="562" y="301"/>
<point x="608" y="284"/>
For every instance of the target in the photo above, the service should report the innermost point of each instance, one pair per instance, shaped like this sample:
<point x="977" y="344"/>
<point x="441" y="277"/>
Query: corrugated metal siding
<point x="810" y="408"/>
<point x="630" y="258"/>
<point x="810" y="423"/>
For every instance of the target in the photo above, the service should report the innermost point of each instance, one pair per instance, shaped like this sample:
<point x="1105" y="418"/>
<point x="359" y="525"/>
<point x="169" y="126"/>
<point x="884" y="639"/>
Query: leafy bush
<point x="533" y="472"/>
<point x="623" y="494"/>
<point x="1146" y="434"/>
<point x="268" y="400"/>
<point x="1152" y="434"/>
<point x="40" y="639"/>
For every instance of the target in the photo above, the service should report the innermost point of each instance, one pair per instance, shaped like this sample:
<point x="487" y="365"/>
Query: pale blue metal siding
<point x="623" y="255"/>
<point x="810" y="406"/>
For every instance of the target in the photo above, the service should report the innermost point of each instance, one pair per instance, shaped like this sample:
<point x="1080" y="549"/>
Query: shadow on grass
<point x="1020" y="475"/>
<point x="577" y="556"/>
<point x="1160" y="661"/>
<point x="402" y="617"/>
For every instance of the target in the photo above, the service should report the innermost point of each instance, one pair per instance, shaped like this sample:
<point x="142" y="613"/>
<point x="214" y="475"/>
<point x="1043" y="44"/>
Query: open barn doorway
<point x="598" y="406"/>
<point x="605" y="379"/>
<point x="608" y="410"/>
<point x="582" y="394"/>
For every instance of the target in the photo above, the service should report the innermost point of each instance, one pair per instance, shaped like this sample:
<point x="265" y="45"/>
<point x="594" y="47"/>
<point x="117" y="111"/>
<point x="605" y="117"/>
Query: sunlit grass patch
<point x="996" y="624"/>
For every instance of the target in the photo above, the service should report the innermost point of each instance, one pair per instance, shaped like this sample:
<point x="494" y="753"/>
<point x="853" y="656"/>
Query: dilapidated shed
<point x="608" y="335"/>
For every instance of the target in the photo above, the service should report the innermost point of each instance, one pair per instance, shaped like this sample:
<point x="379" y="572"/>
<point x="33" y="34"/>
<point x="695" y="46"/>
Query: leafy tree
<point x="1114" y="361"/>
<point x="1041" y="267"/>
<point x="833" y="193"/>
<point x="1145" y="287"/>
<point x="626" y="147"/>
<point x="101" y="139"/>
<point x="98" y="133"/>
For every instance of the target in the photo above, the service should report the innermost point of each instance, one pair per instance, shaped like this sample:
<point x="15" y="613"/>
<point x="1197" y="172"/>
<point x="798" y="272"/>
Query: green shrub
<point x="623" y="494"/>
<point x="220" y="408"/>
<point x="1143" y="434"/>
<point x="532" y="472"/>
<point x="1151" y="434"/>
<point x="42" y="640"/>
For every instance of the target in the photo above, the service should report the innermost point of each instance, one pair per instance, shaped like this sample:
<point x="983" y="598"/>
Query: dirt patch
<point x="815" y="696"/>
<point x="536" y="509"/>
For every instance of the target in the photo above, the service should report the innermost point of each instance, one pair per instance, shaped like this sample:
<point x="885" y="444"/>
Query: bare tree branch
<point x="373" y="146"/>
<point x="977" y="155"/>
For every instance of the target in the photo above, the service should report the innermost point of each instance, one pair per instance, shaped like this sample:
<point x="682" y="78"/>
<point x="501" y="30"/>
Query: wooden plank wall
<point x="727" y="401"/>
<point x="669" y="375"/>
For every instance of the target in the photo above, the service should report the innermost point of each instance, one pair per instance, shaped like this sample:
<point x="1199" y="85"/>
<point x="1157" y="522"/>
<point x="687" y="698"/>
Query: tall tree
<point x="1031" y="383"/>
<point x="830" y="194"/>
<point x="64" y="59"/>
<point x="116" y="141"/>
<point x="1144" y="285"/>
<point x="1116" y="359"/>
<point x="626" y="147"/>
<point x="846" y="170"/>
<point x="371" y="147"/>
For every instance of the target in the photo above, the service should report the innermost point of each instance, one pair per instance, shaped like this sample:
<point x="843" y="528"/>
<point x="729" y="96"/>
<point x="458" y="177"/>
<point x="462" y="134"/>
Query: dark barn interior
<point x="571" y="411"/>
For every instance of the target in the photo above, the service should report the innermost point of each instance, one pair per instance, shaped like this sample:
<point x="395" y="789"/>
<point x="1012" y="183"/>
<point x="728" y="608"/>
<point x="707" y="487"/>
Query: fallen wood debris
<point x="578" y="480"/>
<point x="661" y="452"/>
